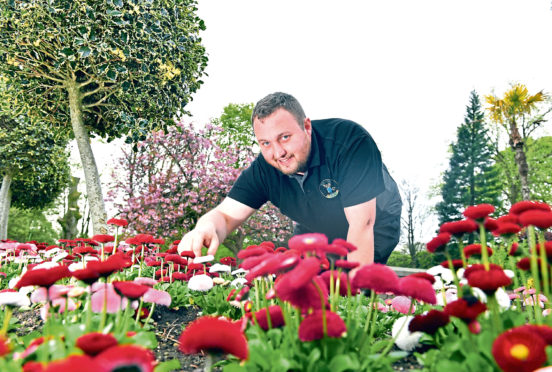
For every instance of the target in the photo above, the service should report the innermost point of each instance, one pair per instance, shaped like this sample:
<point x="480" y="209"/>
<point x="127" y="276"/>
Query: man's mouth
<point x="285" y="161"/>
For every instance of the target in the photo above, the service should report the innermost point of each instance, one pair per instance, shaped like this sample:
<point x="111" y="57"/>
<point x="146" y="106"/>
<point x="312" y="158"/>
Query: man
<point x="326" y="175"/>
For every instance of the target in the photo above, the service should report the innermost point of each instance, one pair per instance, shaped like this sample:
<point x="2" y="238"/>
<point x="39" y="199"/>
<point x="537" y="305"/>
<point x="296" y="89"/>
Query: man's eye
<point x="285" y="138"/>
<point x="265" y="144"/>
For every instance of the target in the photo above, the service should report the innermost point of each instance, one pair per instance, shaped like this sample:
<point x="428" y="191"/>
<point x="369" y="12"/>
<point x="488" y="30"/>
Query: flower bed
<point x="286" y="308"/>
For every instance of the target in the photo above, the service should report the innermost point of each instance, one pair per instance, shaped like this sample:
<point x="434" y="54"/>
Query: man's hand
<point x="195" y="240"/>
<point x="212" y="228"/>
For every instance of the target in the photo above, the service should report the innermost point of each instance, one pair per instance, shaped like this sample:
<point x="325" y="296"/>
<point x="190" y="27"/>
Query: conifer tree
<point x="472" y="177"/>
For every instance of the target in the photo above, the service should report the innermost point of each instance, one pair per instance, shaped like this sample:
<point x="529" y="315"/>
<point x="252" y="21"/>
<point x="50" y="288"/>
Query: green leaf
<point x="112" y="74"/>
<point x="145" y="339"/>
<point x="343" y="363"/>
<point x="114" y="13"/>
<point x="84" y="51"/>
<point x="168" y="366"/>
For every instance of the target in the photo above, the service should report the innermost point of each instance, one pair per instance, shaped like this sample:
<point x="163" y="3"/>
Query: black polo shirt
<point x="344" y="169"/>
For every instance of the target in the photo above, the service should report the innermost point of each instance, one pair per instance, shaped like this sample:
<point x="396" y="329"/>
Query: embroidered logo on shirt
<point x="329" y="188"/>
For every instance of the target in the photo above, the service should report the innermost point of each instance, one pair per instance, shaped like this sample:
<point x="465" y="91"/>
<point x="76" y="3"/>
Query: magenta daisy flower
<point x="312" y="327"/>
<point x="126" y="358"/>
<point x="94" y="343"/>
<point x="213" y="334"/>
<point x="376" y="277"/>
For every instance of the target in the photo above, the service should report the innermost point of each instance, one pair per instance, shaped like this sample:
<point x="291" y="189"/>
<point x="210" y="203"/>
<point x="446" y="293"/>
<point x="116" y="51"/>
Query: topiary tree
<point x="109" y="68"/>
<point x="34" y="166"/>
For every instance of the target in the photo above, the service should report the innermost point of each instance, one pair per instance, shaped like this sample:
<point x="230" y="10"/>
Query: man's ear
<point x="308" y="126"/>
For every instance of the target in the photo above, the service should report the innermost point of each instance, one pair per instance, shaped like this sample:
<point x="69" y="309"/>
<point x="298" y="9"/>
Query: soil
<point x="168" y="327"/>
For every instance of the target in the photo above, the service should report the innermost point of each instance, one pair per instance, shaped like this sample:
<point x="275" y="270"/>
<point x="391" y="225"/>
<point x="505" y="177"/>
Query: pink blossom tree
<point x="166" y="182"/>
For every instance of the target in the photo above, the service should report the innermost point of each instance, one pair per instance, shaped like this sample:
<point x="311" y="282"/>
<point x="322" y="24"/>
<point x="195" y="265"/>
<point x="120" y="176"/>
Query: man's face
<point x="283" y="143"/>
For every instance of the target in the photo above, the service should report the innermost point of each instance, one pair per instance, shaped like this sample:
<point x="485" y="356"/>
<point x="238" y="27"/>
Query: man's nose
<point x="279" y="150"/>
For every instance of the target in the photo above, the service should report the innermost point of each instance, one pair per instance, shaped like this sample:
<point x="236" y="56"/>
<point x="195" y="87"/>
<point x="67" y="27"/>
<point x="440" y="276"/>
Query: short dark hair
<point x="274" y="101"/>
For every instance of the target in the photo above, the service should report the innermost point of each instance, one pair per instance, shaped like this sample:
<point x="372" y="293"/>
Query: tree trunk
<point x="69" y="220"/>
<point x="5" y="202"/>
<point x="91" y="175"/>
<point x="516" y="143"/>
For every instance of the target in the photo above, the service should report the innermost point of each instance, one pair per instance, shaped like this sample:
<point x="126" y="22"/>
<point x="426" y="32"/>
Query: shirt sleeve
<point x="359" y="167"/>
<point x="248" y="188"/>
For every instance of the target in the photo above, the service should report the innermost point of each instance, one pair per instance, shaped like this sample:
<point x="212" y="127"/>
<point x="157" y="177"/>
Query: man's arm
<point x="214" y="226"/>
<point x="361" y="218"/>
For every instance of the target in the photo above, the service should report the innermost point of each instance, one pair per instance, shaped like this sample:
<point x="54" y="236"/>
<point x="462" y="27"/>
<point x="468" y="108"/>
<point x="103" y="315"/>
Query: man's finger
<point x="213" y="246"/>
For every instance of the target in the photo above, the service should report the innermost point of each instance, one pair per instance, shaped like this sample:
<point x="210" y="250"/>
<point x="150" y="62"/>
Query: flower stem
<point x="370" y="309"/>
<point x="7" y="316"/>
<point x="484" y="252"/>
<point x="534" y="270"/>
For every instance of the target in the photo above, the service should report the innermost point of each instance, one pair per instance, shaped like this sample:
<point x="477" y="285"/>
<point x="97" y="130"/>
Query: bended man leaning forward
<point x="326" y="175"/>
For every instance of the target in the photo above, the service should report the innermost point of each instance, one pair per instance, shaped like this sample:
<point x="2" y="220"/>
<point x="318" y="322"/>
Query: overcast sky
<point x="403" y="69"/>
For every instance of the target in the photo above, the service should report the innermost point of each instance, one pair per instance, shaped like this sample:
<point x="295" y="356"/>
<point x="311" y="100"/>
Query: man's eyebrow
<point x="286" y="133"/>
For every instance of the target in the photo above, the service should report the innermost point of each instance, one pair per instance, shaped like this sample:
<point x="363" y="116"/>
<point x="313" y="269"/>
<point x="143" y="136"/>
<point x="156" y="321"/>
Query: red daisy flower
<point x="376" y="277"/>
<point x="276" y="317"/>
<point x="112" y="264"/>
<point x="230" y="261"/>
<point x="508" y="218"/>
<point x="326" y="276"/>
<point x="84" y="250"/>
<point x="32" y="366"/>
<point x="475" y="250"/>
<point x="87" y="275"/>
<point x="519" y="351"/>
<point x="335" y="249"/>
<point x="478" y="212"/>
<point x="130" y="290"/>
<point x="4" y="346"/>
<point x="514" y="249"/>
<point x="269" y="245"/>
<point x="188" y="254"/>
<point x="210" y="333"/>
<point x="439" y="243"/>
<point x="346" y="265"/>
<point x="305" y="297"/>
<point x="118" y="222"/>
<point x="525" y="263"/>
<point x="301" y="274"/>
<point x="429" y="323"/>
<point x="490" y="224"/>
<point x="275" y="263"/>
<point x="308" y="242"/>
<point x="82" y="363"/>
<point x="538" y="218"/>
<point x="488" y="280"/>
<point x="126" y="358"/>
<point x="525" y="205"/>
<point x="312" y="327"/>
<point x="542" y="330"/>
<point x="506" y="228"/>
<point x="467" y="308"/>
<point x="457" y="264"/>
<point x="251" y="251"/>
<point x="43" y="277"/>
<point x="342" y="242"/>
<point x="458" y="228"/>
<point x="253" y="261"/>
<point x="430" y="278"/>
<point x="103" y="238"/>
<point x="417" y="288"/>
<point x="94" y="343"/>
